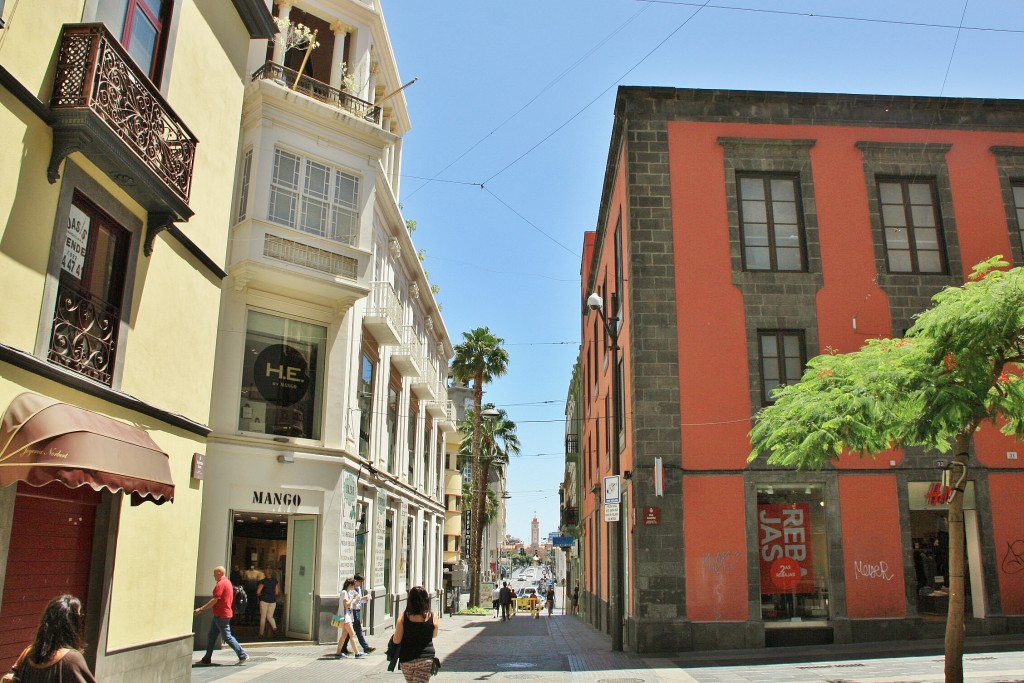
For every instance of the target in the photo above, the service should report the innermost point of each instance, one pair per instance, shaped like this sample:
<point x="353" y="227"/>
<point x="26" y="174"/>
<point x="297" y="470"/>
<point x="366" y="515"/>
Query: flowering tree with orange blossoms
<point x="956" y="369"/>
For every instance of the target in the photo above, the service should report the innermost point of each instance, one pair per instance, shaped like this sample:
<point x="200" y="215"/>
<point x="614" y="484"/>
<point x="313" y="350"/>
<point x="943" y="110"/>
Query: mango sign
<point x="784" y="551"/>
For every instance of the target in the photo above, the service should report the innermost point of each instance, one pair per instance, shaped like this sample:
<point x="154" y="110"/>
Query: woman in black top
<point x="415" y="633"/>
<point x="56" y="653"/>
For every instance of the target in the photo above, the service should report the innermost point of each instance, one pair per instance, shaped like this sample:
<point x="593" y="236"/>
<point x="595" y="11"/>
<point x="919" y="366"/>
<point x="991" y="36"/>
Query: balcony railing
<point x="84" y="334"/>
<point x="572" y="444"/>
<point x="95" y="74"/>
<point x="570" y="517"/>
<point x="318" y="90"/>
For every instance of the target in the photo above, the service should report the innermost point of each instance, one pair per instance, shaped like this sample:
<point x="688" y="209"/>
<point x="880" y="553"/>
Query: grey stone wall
<point x="656" y="551"/>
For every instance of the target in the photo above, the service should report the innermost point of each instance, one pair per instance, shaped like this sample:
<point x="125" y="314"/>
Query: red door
<point x="50" y="551"/>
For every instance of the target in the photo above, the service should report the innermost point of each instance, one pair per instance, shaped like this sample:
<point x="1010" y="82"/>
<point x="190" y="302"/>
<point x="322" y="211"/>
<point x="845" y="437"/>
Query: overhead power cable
<point x="428" y="256"/>
<point x="517" y="112"/>
<point x="527" y="220"/>
<point x="953" y="51"/>
<point x="836" y="17"/>
<point x="599" y="96"/>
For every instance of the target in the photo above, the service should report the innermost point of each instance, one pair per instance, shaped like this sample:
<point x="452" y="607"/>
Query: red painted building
<point x="740" y="234"/>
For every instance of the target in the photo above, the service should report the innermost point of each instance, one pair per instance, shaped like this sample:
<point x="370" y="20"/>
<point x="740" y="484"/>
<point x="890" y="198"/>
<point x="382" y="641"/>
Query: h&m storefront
<point x="864" y="557"/>
<point x="836" y="557"/>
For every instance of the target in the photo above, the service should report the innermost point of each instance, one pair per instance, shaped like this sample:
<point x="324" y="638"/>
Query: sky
<point x="511" y="120"/>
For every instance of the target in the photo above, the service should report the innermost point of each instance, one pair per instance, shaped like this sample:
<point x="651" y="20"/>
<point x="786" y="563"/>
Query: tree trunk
<point x="955" y="615"/>
<point x="476" y="521"/>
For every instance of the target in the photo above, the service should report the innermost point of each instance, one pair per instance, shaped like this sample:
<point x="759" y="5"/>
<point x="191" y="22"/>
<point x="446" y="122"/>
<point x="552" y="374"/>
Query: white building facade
<point x="330" y="409"/>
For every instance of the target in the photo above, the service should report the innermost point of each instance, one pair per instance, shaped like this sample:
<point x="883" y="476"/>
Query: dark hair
<point x="348" y="582"/>
<point x="59" y="627"/>
<point x="358" y="577"/>
<point x="419" y="601"/>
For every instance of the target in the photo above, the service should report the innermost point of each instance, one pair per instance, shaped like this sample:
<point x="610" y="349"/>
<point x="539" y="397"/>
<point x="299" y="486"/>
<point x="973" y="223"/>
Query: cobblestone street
<point x="564" y="649"/>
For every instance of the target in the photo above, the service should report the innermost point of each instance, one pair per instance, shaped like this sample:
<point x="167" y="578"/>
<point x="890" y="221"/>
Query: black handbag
<point x="435" y="666"/>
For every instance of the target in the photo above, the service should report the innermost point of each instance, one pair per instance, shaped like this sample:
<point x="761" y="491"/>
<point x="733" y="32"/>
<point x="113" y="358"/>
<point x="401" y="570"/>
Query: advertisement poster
<point x="75" y="242"/>
<point x="380" y="528"/>
<point x="784" y="547"/>
<point x="349" y="513"/>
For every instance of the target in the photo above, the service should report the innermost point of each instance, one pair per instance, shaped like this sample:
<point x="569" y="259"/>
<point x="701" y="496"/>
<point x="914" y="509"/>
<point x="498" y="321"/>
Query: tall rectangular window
<point x="144" y="34"/>
<point x="284" y="188"/>
<point x="428" y="439"/>
<point x="87" y="317"/>
<point x="911" y="226"/>
<point x="367" y="369"/>
<point x="243" y="187"/>
<point x="1018" y="205"/>
<point x="394" y="391"/>
<point x="282" y="376"/>
<point x="782" y="359"/>
<point x="313" y="197"/>
<point x="771" y="222"/>
<point x="410" y="440"/>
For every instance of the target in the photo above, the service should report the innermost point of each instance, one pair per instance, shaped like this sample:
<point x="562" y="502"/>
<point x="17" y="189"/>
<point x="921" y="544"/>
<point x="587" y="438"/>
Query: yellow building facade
<point x="121" y="134"/>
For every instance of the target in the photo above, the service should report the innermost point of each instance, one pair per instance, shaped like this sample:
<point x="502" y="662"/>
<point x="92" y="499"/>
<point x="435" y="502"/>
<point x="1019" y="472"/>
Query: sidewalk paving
<point x="563" y="649"/>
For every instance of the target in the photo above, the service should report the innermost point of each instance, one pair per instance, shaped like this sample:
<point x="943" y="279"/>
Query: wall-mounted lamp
<point x="286" y="458"/>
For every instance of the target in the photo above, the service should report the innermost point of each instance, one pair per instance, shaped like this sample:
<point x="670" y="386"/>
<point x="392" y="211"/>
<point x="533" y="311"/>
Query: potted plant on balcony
<point x="349" y="83"/>
<point x="297" y="36"/>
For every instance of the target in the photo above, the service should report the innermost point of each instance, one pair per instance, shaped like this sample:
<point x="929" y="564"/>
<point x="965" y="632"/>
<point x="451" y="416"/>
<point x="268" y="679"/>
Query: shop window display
<point x="282" y="374"/>
<point x="792" y="553"/>
<point x="259" y="546"/>
<point x="929" y="529"/>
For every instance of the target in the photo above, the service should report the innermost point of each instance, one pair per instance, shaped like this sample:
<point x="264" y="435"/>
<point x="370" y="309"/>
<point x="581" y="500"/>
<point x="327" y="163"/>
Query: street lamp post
<point x="615" y="554"/>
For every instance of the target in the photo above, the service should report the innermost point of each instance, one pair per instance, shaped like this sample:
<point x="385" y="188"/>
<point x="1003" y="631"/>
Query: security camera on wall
<point x="595" y="302"/>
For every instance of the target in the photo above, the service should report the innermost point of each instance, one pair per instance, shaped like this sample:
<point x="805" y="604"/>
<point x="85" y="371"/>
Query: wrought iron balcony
<point x="318" y="90"/>
<point x="570" y="517"/>
<point x="84" y="334"/>
<point x="572" y="447"/>
<point x="105" y="106"/>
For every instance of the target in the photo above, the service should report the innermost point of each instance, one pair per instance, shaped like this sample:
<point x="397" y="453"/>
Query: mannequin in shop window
<point x="252" y="577"/>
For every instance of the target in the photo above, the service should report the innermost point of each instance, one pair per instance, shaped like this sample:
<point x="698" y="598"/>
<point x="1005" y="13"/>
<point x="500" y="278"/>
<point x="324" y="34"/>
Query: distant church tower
<point x="535" y="533"/>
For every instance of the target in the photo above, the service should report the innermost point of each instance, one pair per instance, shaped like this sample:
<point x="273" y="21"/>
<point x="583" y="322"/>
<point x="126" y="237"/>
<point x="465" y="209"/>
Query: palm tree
<point x="491" y="508"/>
<point x="480" y="358"/>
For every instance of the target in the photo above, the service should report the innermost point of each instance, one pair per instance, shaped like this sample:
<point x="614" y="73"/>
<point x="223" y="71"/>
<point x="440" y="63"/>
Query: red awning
<point x="43" y="440"/>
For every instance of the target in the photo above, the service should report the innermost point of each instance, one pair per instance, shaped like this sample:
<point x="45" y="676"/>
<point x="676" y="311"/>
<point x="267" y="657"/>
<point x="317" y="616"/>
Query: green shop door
<point x="301" y="572"/>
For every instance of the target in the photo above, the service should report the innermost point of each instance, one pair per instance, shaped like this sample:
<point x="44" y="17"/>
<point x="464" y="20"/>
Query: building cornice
<point x="55" y="373"/>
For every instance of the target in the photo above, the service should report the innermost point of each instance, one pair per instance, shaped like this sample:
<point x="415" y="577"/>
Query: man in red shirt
<point x="221" y="602"/>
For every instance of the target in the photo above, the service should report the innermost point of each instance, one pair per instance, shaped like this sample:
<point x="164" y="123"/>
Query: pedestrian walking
<point x="221" y="604"/>
<point x="576" y="599"/>
<point x="347" y="601"/>
<point x="357" y="624"/>
<point x="56" y="652"/>
<point x="549" y="600"/>
<point x="496" y="600"/>
<point x="266" y="591"/>
<point x="505" y="600"/>
<point x="414" y="634"/>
